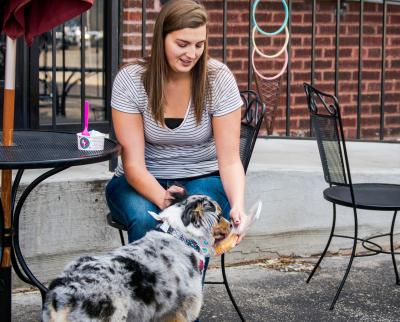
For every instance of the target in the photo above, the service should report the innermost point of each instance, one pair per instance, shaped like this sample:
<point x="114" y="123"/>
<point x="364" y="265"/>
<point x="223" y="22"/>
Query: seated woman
<point x="176" y="115"/>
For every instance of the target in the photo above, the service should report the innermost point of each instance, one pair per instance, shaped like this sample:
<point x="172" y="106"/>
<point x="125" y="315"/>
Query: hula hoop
<point x="280" y="28"/>
<point x="273" y="77"/>
<point x="274" y="55"/>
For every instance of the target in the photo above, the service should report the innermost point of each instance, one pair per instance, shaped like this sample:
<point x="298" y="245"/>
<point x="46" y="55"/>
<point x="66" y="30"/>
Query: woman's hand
<point x="168" y="197"/>
<point x="238" y="218"/>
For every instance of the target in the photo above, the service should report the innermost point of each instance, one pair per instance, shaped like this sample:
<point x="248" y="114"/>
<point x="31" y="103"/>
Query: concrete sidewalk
<point x="275" y="290"/>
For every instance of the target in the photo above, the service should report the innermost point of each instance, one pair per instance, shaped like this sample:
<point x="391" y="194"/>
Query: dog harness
<point x="166" y="228"/>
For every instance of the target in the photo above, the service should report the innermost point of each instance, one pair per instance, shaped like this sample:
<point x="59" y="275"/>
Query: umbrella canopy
<point x="29" y="18"/>
<point x="34" y="17"/>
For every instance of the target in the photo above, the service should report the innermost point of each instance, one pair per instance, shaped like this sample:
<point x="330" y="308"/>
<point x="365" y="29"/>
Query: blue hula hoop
<point x="285" y="6"/>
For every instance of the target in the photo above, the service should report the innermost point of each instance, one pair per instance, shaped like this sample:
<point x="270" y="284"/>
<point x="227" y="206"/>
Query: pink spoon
<point x="86" y="119"/>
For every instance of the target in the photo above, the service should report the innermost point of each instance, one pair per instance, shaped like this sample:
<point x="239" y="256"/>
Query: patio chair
<point x="252" y="118"/>
<point x="328" y="129"/>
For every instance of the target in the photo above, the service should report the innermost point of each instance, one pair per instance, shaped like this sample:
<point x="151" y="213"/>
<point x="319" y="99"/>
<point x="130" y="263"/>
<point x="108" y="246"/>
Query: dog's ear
<point x="186" y="217"/>
<point x="178" y="196"/>
<point x="192" y="213"/>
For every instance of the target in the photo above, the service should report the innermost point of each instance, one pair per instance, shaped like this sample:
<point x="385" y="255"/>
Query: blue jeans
<point x="131" y="209"/>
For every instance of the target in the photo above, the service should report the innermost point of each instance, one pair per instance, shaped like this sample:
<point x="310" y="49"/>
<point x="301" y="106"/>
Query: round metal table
<point x="33" y="150"/>
<point x="47" y="149"/>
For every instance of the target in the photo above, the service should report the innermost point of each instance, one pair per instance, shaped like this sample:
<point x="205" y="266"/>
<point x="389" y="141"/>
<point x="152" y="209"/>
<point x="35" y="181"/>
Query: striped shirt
<point x="188" y="150"/>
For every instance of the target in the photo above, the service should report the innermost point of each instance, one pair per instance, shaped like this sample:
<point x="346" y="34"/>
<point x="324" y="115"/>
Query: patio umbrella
<point x="26" y="18"/>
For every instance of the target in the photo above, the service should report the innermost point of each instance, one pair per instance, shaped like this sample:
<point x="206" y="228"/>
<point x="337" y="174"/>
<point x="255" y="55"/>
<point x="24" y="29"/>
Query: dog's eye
<point x="209" y="206"/>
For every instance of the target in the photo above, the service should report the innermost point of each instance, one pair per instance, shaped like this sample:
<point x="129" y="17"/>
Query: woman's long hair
<point x="175" y="15"/>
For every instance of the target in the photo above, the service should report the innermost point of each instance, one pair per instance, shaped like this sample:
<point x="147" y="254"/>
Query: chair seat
<point x="372" y="196"/>
<point x="113" y="223"/>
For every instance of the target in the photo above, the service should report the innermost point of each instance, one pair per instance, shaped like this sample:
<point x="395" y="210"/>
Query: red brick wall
<point x="301" y="15"/>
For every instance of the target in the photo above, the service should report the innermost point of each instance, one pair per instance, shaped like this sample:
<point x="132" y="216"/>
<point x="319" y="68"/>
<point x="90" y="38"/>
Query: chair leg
<point x="228" y="289"/>
<point x="392" y="249"/>
<point x="353" y="254"/>
<point x="326" y="247"/>
<point x="121" y="236"/>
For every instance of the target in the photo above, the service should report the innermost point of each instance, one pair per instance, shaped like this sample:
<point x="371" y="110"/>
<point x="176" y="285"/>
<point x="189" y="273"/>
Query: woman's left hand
<point x="238" y="218"/>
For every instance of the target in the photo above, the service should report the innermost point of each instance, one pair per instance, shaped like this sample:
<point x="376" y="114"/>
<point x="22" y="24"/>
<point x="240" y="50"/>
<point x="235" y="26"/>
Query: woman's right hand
<point x="168" y="197"/>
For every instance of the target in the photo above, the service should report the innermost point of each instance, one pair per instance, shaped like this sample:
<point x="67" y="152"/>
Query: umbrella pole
<point x="6" y="180"/>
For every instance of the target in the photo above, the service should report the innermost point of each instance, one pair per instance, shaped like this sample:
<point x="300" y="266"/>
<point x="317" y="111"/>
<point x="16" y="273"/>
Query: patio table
<point x="34" y="150"/>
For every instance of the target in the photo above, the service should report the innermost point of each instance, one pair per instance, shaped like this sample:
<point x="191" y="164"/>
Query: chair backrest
<point x="252" y="117"/>
<point x="327" y="126"/>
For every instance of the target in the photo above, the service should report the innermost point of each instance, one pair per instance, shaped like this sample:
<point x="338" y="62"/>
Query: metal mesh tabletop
<point x="35" y="149"/>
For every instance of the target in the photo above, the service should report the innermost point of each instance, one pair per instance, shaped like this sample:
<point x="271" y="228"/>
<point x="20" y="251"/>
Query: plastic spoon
<point x="85" y="131"/>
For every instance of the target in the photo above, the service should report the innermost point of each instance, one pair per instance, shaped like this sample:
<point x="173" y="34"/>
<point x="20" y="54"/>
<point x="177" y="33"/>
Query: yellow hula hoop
<point x="273" y="77"/>
<point x="274" y="55"/>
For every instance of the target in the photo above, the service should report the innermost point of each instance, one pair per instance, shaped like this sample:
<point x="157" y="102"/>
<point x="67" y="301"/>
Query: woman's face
<point x="184" y="47"/>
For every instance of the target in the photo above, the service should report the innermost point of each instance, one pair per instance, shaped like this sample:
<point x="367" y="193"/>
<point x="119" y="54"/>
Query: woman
<point x="176" y="115"/>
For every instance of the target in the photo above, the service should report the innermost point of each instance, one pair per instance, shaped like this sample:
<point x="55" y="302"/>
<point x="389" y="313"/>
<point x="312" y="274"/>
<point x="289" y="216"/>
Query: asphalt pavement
<point x="275" y="290"/>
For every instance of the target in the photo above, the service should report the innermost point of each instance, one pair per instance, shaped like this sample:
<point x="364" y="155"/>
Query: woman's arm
<point x="130" y="135"/>
<point x="226" y="130"/>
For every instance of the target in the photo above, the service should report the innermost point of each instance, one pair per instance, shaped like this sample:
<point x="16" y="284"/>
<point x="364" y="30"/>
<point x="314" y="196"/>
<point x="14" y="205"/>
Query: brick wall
<point x="301" y="15"/>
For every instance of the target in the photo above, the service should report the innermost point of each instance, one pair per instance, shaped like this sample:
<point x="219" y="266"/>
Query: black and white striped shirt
<point x="188" y="150"/>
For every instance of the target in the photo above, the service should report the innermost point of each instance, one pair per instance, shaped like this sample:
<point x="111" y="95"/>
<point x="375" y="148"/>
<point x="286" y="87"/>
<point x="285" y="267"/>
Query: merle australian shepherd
<point x="157" y="278"/>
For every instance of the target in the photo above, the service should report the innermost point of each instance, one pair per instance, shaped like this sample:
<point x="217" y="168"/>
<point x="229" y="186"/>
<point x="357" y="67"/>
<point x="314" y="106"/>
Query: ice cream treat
<point x="226" y="244"/>
<point x="230" y="241"/>
<point x="92" y="142"/>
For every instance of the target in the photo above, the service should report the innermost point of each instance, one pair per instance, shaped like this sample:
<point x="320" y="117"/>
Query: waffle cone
<point x="226" y="244"/>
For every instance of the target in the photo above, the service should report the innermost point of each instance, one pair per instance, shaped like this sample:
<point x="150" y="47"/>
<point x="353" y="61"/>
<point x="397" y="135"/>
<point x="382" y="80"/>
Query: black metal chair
<point x="252" y="118"/>
<point x="327" y="126"/>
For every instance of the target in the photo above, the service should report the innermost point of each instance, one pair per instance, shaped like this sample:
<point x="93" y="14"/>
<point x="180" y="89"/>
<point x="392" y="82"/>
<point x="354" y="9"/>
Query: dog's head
<point x="198" y="216"/>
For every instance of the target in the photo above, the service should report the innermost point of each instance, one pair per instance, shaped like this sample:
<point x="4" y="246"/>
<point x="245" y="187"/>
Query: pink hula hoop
<point x="273" y="77"/>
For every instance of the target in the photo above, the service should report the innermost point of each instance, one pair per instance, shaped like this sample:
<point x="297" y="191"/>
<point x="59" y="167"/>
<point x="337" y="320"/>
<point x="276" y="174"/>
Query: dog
<point x="156" y="278"/>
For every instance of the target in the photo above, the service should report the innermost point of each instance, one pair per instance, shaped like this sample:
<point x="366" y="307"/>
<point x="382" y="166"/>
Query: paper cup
<point x="91" y="143"/>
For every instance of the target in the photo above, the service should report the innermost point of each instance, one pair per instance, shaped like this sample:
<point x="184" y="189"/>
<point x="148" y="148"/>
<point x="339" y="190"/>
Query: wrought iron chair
<point x="327" y="126"/>
<point x="252" y="117"/>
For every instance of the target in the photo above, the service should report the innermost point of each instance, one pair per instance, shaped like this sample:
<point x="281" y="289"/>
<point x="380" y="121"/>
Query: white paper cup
<point x="92" y="142"/>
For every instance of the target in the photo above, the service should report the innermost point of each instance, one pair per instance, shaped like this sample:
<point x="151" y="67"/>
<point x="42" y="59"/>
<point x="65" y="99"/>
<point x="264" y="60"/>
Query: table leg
<point x="5" y="293"/>
<point x="393" y="253"/>
<point x="19" y="257"/>
<point x="5" y="274"/>
<point x="6" y="245"/>
<point x="14" y="262"/>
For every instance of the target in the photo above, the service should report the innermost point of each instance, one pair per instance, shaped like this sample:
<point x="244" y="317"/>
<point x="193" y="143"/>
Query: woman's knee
<point x="127" y="205"/>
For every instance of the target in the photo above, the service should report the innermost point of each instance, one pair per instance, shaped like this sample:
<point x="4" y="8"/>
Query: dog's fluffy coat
<point x="157" y="278"/>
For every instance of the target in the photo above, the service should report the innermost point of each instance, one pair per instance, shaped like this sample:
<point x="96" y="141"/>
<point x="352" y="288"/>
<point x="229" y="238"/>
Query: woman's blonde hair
<point x="175" y="15"/>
